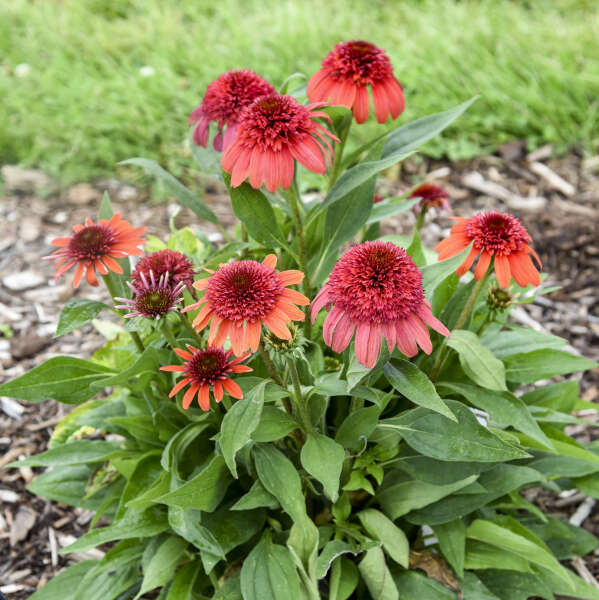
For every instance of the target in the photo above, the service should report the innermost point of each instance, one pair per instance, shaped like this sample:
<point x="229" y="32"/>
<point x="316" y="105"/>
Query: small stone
<point x="25" y="280"/>
<point x="17" y="179"/>
<point x="29" y="229"/>
<point x="11" y="408"/>
<point x="29" y="344"/>
<point x="126" y="192"/>
<point x="22" y="525"/>
<point x="83" y="193"/>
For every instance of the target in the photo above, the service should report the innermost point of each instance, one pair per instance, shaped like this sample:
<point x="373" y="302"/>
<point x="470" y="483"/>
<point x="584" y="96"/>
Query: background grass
<point x="84" y="105"/>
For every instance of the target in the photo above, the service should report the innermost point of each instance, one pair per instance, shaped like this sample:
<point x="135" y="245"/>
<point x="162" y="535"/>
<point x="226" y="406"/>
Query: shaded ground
<point x="563" y="221"/>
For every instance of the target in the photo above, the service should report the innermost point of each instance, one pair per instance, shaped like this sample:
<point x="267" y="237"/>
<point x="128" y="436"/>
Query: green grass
<point x="84" y="105"/>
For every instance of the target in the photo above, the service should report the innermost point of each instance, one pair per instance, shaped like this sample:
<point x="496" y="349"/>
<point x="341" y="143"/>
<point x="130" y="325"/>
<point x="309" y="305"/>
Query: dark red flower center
<point x="376" y="282"/>
<point x="154" y="301"/>
<point x="231" y="92"/>
<point x="244" y="290"/>
<point x="272" y="122"/>
<point x="208" y="366"/>
<point x="497" y="233"/>
<point x="176" y="264"/>
<point x="360" y="61"/>
<point x="92" y="242"/>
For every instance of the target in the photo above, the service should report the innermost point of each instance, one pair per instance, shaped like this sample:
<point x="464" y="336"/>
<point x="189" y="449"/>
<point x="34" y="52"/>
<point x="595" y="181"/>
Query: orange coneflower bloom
<point x="243" y="295"/>
<point x="272" y="132"/>
<point x="497" y="236"/>
<point x="205" y="369"/>
<point x="375" y="290"/>
<point x="96" y="246"/>
<point x="175" y="264"/>
<point x="346" y="73"/>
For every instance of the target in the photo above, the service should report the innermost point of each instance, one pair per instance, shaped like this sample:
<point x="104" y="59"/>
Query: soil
<point x="561" y="214"/>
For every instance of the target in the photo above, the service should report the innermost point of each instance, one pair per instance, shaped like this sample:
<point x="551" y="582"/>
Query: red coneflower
<point x="96" y="246"/>
<point x="223" y="101"/>
<point x="152" y="299"/>
<point x="497" y="236"/>
<point x="377" y="198"/>
<point x="205" y="369"/>
<point x="176" y="264"/>
<point x="376" y="290"/>
<point x="346" y="73"/>
<point x="272" y="131"/>
<point x="242" y="295"/>
<point x="431" y="196"/>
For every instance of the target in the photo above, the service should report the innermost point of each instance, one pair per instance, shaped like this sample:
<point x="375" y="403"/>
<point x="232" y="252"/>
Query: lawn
<point x="85" y="104"/>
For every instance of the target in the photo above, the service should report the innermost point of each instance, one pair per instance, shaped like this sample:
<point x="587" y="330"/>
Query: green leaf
<point x="253" y="209"/>
<point x="131" y="525"/>
<point x="504" y="408"/>
<point x="541" y="364"/>
<point x="358" y="426"/>
<point x="481" y="556"/>
<point x="433" y="435"/>
<point x="417" y="586"/>
<point x="576" y="588"/>
<point x="274" y="425"/>
<point x="204" y="491"/>
<point x="105" y="207"/>
<point x="498" y="481"/>
<point x="64" y="585"/>
<point x="411" y="382"/>
<point x="410" y="136"/>
<point x="278" y="475"/>
<point x="256" y="498"/>
<point x="329" y="553"/>
<point x="474" y="589"/>
<point x="440" y="472"/>
<point x="410" y="494"/>
<point x="74" y="453"/>
<point x="434" y="275"/>
<point x="519" y="340"/>
<point x="303" y="545"/>
<point x="344" y="579"/>
<point x="268" y="573"/>
<point x="377" y="576"/>
<point x="452" y="541"/>
<point x="505" y="539"/>
<point x="239" y="424"/>
<point x="477" y="361"/>
<point x="66" y="485"/>
<point x="343" y="220"/>
<point x="323" y="458"/>
<point x="185" y="523"/>
<point x="77" y="313"/>
<point x="185" y="196"/>
<point x="163" y="563"/>
<point x="182" y="586"/>
<point x="510" y="585"/>
<point x="390" y="208"/>
<point x="394" y="540"/>
<point x="61" y="378"/>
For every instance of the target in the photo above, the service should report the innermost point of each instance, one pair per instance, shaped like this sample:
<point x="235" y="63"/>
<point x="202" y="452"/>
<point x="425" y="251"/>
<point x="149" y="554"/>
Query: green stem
<point x="270" y="367"/>
<point x="214" y="580"/>
<point x="337" y="159"/>
<point x="244" y="238"/>
<point x="300" y="406"/>
<point x="187" y="323"/>
<point x="168" y="333"/>
<point x="224" y="232"/>
<point x="420" y="219"/>
<point x="461" y="320"/>
<point x="292" y="196"/>
<point x="109" y="283"/>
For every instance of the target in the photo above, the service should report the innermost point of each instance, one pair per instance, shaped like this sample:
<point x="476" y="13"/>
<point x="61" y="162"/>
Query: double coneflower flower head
<point x="375" y="291"/>
<point x="348" y="71"/>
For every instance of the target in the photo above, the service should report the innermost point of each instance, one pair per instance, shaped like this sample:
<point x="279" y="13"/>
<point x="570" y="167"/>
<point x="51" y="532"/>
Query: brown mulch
<point x="563" y="221"/>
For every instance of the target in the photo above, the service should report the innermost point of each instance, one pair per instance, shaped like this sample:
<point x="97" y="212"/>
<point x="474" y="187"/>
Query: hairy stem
<point x="337" y="159"/>
<point x="292" y="196"/>
<point x="301" y="407"/>
<point x="109" y="283"/>
<point x="461" y="320"/>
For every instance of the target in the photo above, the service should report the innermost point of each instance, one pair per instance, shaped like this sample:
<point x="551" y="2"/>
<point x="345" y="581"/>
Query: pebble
<point x="29" y="229"/>
<point x="83" y="193"/>
<point x="17" y="179"/>
<point x="126" y="192"/>
<point x="25" y="280"/>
